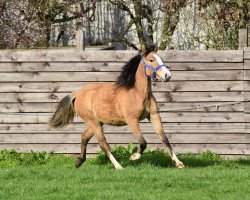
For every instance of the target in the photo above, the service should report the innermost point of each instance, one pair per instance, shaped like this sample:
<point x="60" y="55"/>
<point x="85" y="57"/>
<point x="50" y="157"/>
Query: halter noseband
<point x="151" y="68"/>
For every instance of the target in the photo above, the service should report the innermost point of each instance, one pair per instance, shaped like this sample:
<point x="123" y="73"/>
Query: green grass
<point x="51" y="176"/>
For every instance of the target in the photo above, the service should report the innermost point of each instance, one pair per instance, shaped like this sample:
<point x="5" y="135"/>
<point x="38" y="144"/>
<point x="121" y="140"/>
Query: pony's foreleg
<point x="97" y="129"/>
<point x="134" y="125"/>
<point x="156" y="122"/>
<point x="155" y="119"/>
<point x="85" y="137"/>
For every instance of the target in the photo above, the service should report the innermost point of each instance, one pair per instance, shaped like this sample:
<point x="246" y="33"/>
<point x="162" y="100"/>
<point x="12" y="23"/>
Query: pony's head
<point x="154" y="67"/>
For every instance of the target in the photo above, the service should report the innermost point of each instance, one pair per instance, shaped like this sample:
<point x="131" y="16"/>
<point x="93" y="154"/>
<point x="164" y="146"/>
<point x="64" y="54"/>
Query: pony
<point x="126" y="101"/>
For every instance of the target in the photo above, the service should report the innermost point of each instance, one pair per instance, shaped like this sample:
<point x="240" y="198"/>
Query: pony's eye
<point x="151" y="60"/>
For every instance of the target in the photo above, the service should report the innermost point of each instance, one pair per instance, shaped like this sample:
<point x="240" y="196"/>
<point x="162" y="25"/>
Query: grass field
<point x="49" y="176"/>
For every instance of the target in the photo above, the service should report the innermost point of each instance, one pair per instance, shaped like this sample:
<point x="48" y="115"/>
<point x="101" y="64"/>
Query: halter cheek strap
<point x="152" y="69"/>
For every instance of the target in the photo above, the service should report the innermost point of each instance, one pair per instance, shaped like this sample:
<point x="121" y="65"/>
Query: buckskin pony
<point x="124" y="102"/>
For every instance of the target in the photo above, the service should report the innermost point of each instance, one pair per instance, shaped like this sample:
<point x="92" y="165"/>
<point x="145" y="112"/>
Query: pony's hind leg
<point x="97" y="129"/>
<point x="85" y="137"/>
<point x="134" y="125"/>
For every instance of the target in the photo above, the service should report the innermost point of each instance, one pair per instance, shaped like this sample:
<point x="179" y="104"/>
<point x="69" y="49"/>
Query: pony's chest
<point x="145" y="111"/>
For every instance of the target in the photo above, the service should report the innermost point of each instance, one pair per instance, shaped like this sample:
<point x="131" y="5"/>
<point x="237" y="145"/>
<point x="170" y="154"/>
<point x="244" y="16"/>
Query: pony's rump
<point x="64" y="114"/>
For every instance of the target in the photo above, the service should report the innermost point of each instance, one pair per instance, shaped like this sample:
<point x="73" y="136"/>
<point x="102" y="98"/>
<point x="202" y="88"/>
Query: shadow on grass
<point x="159" y="158"/>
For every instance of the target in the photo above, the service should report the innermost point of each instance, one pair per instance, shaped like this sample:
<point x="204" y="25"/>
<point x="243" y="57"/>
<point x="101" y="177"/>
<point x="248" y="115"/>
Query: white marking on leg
<point x="174" y="157"/>
<point x="178" y="163"/>
<point x="114" y="161"/>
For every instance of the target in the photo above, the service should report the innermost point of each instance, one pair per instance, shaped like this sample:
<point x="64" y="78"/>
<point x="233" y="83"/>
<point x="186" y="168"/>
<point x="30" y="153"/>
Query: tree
<point x="27" y="23"/>
<point x="142" y="10"/>
<point x="30" y="23"/>
<point x="228" y="17"/>
<point x="171" y="11"/>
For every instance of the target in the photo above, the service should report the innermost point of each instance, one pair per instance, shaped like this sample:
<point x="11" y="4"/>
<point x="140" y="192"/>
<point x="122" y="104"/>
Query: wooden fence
<point x="204" y="107"/>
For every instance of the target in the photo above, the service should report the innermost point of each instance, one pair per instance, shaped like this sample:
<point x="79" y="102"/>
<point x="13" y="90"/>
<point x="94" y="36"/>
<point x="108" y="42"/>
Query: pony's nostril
<point x="167" y="78"/>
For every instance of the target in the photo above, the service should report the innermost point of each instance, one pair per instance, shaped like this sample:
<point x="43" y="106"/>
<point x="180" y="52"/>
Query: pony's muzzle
<point x="167" y="78"/>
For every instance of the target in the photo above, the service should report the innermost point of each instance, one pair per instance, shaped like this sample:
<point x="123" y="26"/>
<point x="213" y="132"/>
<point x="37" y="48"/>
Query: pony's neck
<point x="142" y="83"/>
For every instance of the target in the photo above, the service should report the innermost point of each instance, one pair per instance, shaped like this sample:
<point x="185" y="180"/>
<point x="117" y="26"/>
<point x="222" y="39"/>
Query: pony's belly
<point x="115" y="123"/>
<point x="110" y="119"/>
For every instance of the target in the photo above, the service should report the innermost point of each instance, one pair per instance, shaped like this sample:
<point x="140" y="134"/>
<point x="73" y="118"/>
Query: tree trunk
<point x="138" y="23"/>
<point x="48" y="31"/>
<point x="171" y="19"/>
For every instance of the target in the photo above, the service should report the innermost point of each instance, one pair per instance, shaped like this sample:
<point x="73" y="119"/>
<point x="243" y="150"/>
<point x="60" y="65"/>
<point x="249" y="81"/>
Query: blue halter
<point x="151" y="68"/>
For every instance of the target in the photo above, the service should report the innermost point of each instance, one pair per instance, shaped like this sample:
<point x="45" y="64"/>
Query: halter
<point x="152" y="69"/>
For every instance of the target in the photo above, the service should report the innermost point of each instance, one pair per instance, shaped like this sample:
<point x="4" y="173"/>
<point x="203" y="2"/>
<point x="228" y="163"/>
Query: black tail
<point x="64" y="114"/>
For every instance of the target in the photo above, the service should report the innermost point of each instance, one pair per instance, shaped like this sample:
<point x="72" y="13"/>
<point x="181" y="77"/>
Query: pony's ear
<point x="156" y="48"/>
<point x="143" y="49"/>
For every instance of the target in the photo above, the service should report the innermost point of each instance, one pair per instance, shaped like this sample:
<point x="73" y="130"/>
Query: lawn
<point x="51" y="176"/>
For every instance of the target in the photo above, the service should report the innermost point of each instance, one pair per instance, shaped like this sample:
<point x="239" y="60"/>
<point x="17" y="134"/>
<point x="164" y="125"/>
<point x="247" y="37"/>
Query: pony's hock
<point x="124" y="102"/>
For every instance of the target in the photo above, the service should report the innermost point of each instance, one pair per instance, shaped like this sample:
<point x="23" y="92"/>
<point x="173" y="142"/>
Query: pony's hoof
<point x="180" y="165"/>
<point x="79" y="162"/>
<point x="135" y="156"/>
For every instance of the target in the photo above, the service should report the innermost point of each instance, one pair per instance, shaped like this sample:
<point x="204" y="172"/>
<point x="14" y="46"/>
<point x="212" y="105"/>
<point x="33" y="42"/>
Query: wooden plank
<point x="247" y="64"/>
<point x="156" y="86"/>
<point x="246" y="96"/>
<point x="247" y="117"/>
<point x="234" y="156"/>
<point x="246" y="53"/>
<point x="146" y="128"/>
<point x="173" y="107"/>
<point x="107" y="76"/>
<point x="166" y="117"/>
<point x="160" y="97"/>
<point x="107" y="66"/>
<point x="202" y="117"/>
<point x="218" y="75"/>
<point x="248" y="125"/>
<point x="202" y="107"/>
<point x="247" y="107"/>
<point x="67" y="55"/>
<point x="80" y="39"/>
<point x="202" y="56"/>
<point x="41" y="87"/>
<point x="197" y="96"/>
<point x="122" y="138"/>
<point x="247" y="140"/>
<point x="247" y="75"/>
<point x="204" y="66"/>
<point x="58" y="76"/>
<point x="224" y="149"/>
<point x="69" y="66"/>
<point x="243" y="38"/>
<point x="246" y="86"/>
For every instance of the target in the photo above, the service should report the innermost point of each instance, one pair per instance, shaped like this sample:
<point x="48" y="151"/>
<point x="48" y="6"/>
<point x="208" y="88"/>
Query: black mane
<point x="127" y="77"/>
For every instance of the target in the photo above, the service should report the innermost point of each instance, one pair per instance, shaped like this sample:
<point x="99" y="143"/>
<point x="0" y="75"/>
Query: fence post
<point x="243" y="38"/>
<point x="80" y="36"/>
